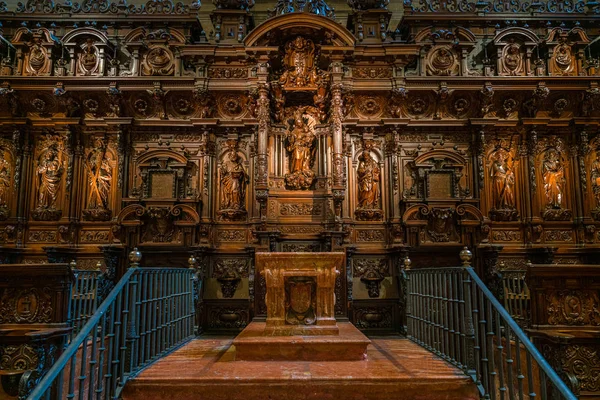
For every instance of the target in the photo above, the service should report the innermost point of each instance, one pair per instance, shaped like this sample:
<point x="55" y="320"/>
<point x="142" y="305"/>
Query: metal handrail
<point x="149" y="313"/>
<point x="83" y="301"/>
<point x="452" y="313"/>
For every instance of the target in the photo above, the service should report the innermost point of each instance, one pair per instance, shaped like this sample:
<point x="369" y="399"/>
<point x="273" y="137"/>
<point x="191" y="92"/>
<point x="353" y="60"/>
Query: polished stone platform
<point x="206" y="369"/>
<point x="253" y="344"/>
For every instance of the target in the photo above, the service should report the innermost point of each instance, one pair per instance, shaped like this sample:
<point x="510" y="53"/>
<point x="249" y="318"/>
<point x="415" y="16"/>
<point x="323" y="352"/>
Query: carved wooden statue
<point x="233" y="187"/>
<point x="4" y="182"/>
<point x="301" y="143"/>
<point x="368" y="180"/>
<point x="50" y="172"/>
<point x="100" y="175"/>
<point x="554" y="179"/>
<point x="595" y="177"/>
<point x="503" y="181"/>
<point x="299" y="62"/>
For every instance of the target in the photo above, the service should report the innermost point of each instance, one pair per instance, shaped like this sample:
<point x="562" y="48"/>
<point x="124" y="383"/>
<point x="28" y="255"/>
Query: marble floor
<point x="206" y="368"/>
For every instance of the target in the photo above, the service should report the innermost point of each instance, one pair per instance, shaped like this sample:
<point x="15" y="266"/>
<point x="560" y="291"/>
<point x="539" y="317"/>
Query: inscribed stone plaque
<point x="439" y="185"/>
<point x="162" y="185"/>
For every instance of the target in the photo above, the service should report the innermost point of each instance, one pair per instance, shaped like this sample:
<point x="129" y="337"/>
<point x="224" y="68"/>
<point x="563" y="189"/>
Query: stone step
<point x="207" y="369"/>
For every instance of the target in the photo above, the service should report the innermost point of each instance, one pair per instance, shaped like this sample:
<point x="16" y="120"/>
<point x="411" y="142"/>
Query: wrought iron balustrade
<point x="150" y="312"/>
<point x="516" y="297"/>
<point x="84" y="297"/>
<point x="453" y="314"/>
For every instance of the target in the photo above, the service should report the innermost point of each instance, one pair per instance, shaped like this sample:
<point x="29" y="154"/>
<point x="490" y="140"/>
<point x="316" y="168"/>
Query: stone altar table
<point x="300" y="322"/>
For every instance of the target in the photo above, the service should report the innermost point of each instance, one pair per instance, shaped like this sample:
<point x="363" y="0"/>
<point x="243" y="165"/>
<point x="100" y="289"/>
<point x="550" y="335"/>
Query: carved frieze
<point x="370" y="235"/>
<point x="231" y="235"/>
<point x="291" y="209"/>
<point x="372" y="72"/>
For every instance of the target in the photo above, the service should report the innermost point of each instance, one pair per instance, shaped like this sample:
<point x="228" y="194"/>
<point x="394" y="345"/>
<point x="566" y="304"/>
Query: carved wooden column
<point x="339" y="176"/>
<point x="262" y="170"/>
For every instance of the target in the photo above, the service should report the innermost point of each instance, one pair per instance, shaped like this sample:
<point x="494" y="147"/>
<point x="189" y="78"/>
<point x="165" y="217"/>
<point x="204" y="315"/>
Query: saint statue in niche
<point x="233" y="185"/>
<point x="4" y="181"/>
<point x="50" y="171"/>
<point x="595" y="177"/>
<point x="554" y="179"/>
<point x="100" y="174"/>
<point x="301" y="145"/>
<point x="368" y="179"/>
<point x="299" y="60"/>
<point x="503" y="181"/>
<point x="503" y="186"/>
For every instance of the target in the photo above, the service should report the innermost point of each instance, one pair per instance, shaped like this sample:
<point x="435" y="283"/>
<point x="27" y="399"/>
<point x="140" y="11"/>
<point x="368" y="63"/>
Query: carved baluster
<point x="339" y="176"/>
<point x="262" y="169"/>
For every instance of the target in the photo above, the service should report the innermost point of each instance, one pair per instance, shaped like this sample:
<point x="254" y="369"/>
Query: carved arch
<point x="140" y="33"/>
<point x="342" y="36"/>
<point x="162" y="153"/>
<point x="439" y="154"/>
<point x="526" y="34"/>
<point x="74" y="35"/>
<point x="460" y="33"/>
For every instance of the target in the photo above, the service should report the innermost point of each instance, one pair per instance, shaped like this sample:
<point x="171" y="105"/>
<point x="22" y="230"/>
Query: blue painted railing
<point x="452" y="313"/>
<point x="149" y="313"/>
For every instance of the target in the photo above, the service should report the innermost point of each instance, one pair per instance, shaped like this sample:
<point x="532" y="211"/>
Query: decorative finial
<point x="73" y="265"/>
<point x="407" y="262"/>
<point x="466" y="256"/>
<point x="99" y="266"/>
<point x="135" y="257"/>
<point x="192" y="262"/>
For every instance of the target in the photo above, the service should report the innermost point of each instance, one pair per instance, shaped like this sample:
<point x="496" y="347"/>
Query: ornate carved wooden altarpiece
<point x="382" y="130"/>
